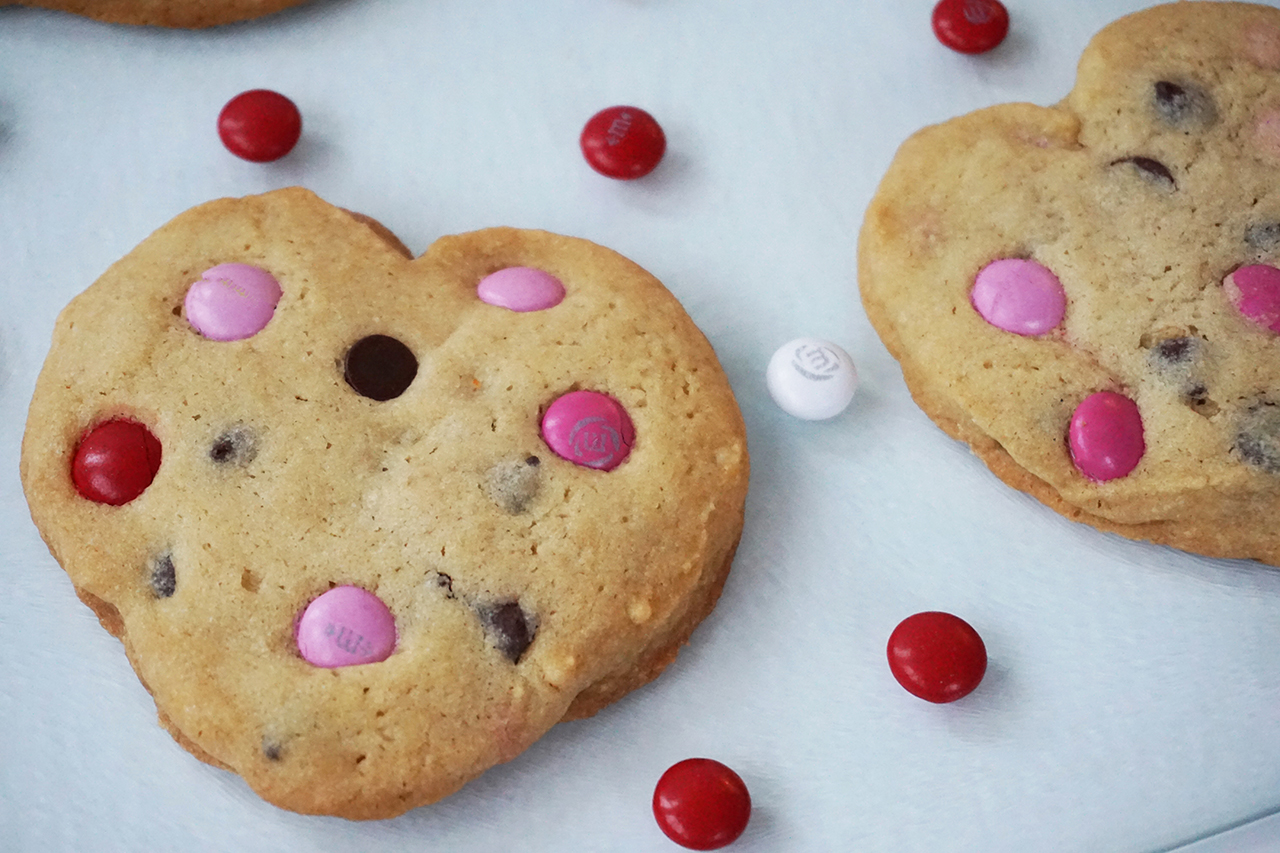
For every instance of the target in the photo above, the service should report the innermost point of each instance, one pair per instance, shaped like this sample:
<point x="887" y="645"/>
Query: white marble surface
<point x="1133" y="697"/>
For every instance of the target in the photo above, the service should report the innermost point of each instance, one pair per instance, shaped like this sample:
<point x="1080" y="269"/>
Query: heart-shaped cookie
<point x="1087" y="293"/>
<point x="407" y="515"/>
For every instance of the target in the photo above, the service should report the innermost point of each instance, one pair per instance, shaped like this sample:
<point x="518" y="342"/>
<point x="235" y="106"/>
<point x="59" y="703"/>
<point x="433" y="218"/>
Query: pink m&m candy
<point x="521" y="289"/>
<point x="1019" y="296"/>
<point x="346" y="626"/>
<point x="232" y="301"/>
<point x="1105" y="436"/>
<point x="590" y="429"/>
<point x="1255" y="291"/>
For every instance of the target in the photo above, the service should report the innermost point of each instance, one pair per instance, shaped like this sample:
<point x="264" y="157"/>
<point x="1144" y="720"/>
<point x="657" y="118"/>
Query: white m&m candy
<point x="811" y="379"/>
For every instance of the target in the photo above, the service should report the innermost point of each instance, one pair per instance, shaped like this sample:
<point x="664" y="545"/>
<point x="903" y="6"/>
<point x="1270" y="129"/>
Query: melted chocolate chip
<point x="513" y="484"/>
<point x="446" y="583"/>
<point x="1182" y="105"/>
<point x="164" y="581"/>
<point x="507" y="628"/>
<point x="1152" y="170"/>
<point x="272" y="749"/>
<point x="1263" y="237"/>
<point x="236" y="446"/>
<point x="1177" y="350"/>
<point x="380" y="367"/>
<point x="1258" y="438"/>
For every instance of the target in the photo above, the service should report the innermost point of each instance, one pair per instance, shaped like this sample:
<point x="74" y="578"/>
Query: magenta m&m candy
<point x="623" y="142"/>
<point x="590" y="429"/>
<point x="1019" y="296"/>
<point x="1255" y="292"/>
<point x="232" y="301"/>
<point x="521" y="289"/>
<point x="701" y="804"/>
<point x="115" y="462"/>
<point x="970" y="26"/>
<point x="346" y="626"/>
<point x="260" y="125"/>
<point x="1105" y="436"/>
<point x="811" y="379"/>
<point x="937" y="656"/>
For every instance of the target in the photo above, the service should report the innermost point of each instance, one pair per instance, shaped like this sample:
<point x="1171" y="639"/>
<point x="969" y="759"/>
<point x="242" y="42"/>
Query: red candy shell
<point x="115" y="462"/>
<point x="701" y="804"/>
<point x="937" y="656"/>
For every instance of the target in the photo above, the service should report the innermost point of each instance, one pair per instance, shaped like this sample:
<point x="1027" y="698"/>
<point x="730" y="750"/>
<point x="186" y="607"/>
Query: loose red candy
<point x="623" y="143"/>
<point x="701" y="804"/>
<point x="115" y="462"/>
<point x="260" y="125"/>
<point x="937" y="656"/>
<point x="970" y="26"/>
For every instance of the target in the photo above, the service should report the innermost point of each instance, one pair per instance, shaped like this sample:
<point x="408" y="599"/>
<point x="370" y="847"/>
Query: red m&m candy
<point x="115" y="462"/>
<point x="970" y="26"/>
<point x="260" y="125"/>
<point x="937" y="656"/>
<point x="701" y="804"/>
<point x="623" y="142"/>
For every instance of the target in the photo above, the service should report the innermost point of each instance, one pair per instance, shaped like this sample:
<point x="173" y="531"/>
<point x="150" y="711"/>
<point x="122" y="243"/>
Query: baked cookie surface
<point x="189" y="14"/>
<point x="1087" y="293"/>
<point x="527" y="581"/>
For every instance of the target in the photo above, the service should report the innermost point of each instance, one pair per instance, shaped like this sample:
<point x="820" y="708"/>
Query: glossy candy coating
<point x="260" y="125"/>
<point x="115" y="462"/>
<point x="1105" y="436"/>
<point x="970" y="26"/>
<point x="623" y="143"/>
<point x="230" y="302"/>
<point x="345" y="626"/>
<point x="811" y="379"/>
<point x="521" y="289"/>
<point x="590" y="429"/>
<point x="937" y="656"/>
<point x="1255" y="292"/>
<point x="1019" y="296"/>
<point x="701" y="804"/>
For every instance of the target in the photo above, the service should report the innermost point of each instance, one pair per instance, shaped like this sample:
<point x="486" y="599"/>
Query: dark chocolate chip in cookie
<point x="1182" y="105"/>
<point x="235" y="446"/>
<point x="1263" y="237"/>
<point x="380" y="367"/>
<point x="1258" y="437"/>
<point x="512" y="484"/>
<point x="272" y="750"/>
<point x="1176" y="351"/>
<point x="163" y="578"/>
<point x="507" y="627"/>
<point x="1151" y="169"/>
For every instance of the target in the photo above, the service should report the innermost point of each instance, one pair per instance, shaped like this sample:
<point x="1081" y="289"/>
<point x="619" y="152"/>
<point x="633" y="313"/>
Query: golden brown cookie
<point x="269" y="407"/>
<point x="1087" y="293"/>
<point x="192" y="14"/>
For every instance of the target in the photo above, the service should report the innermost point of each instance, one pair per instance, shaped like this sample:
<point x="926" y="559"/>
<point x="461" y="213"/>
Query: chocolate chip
<point x="1152" y="170"/>
<point x="1258" y="437"/>
<point x="380" y="367"/>
<point x="272" y="749"/>
<point x="235" y="446"/>
<point x="164" y="581"/>
<point x="507" y="628"/>
<point x="1176" y="351"/>
<point x="1263" y="237"/>
<point x="1183" y="106"/>
<point x="446" y="583"/>
<point x="513" y="484"/>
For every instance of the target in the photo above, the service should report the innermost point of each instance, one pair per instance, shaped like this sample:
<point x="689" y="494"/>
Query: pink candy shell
<point x="1019" y="296"/>
<point x="521" y="289"/>
<point x="1105" y="436"/>
<point x="346" y="626"/>
<point x="1255" y="292"/>
<point x="232" y="301"/>
<point x="590" y="429"/>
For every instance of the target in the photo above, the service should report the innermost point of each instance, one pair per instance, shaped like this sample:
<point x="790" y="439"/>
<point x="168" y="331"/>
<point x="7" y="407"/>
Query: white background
<point x="1133" y="697"/>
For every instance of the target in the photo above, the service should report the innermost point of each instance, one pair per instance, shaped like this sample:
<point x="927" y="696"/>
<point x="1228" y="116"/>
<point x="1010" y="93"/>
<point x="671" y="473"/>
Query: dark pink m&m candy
<point x="701" y="804"/>
<point x="1105" y="436"/>
<point x="115" y="462"/>
<point x="970" y="26"/>
<point x="260" y="125"/>
<point x="1255" y="292"/>
<point x="623" y="142"/>
<point x="590" y="429"/>
<point x="937" y="656"/>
